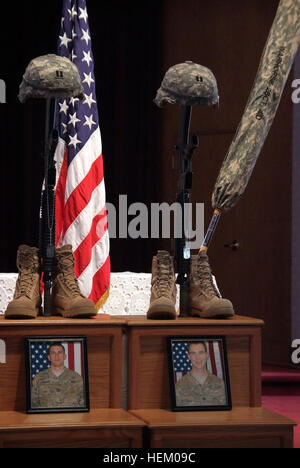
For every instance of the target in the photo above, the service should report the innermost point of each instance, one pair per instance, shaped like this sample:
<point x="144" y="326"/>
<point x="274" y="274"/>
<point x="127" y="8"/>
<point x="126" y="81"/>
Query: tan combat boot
<point x="27" y="298"/>
<point x="205" y="300"/>
<point x="67" y="298"/>
<point x="163" y="287"/>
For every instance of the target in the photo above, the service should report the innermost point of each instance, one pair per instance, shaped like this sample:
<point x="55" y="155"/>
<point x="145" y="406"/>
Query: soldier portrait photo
<point x="199" y="373"/>
<point x="56" y="375"/>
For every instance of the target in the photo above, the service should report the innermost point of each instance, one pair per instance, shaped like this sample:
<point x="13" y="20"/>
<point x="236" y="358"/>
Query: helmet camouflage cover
<point x="50" y="76"/>
<point x="189" y="84"/>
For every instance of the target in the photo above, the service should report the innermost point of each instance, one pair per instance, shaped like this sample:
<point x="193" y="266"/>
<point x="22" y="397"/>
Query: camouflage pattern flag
<point x="274" y="68"/>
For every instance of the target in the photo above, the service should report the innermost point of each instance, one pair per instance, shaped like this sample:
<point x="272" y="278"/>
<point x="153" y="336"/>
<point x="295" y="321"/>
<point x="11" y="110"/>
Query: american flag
<point x="182" y="364"/>
<point x="81" y="217"/>
<point x="39" y="356"/>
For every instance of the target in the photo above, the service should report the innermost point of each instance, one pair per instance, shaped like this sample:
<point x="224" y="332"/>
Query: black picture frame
<point x="45" y="394"/>
<point x="196" y="392"/>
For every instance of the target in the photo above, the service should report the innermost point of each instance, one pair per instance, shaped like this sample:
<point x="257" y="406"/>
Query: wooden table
<point x="113" y="428"/>
<point x="239" y="428"/>
<point x="148" y="381"/>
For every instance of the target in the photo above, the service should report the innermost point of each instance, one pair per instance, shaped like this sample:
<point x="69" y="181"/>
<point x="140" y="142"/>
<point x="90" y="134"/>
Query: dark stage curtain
<point x="126" y="41"/>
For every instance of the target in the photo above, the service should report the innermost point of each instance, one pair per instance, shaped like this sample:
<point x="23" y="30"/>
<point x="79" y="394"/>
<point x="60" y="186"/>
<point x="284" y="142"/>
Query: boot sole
<point x="22" y="314"/>
<point x="161" y="313"/>
<point x="83" y="313"/>
<point x="224" y="312"/>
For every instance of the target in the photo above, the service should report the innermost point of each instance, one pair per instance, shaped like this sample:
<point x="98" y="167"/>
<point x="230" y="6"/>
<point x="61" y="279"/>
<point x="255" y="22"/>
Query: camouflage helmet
<point x="189" y="84"/>
<point x="50" y="76"/>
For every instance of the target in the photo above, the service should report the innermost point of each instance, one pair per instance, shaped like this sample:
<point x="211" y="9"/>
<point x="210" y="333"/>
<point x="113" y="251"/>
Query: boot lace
<point x="205" y="278"/>
<point x="27" y="268"/>
<point x="66" y="266"/>
<point x="164" y="276"/>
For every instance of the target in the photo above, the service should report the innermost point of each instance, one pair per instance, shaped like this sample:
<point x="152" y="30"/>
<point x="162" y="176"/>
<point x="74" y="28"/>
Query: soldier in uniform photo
<point x="199" y="387"/>
<point x="57" y="386"/>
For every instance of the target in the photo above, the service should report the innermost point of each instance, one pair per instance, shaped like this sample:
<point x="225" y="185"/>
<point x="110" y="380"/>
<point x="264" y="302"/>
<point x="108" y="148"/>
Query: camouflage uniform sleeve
<point x="222" y="397"/>
<point x="77" y="388"/>
<point x="182" y="390"/>
<point x="81" y="399"/>
<point x="179" y="394"/>
<point x="35" y="400"/>
<point x="216" y="390"/>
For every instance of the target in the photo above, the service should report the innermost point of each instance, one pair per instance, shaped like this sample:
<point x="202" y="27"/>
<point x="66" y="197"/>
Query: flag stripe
<point x="59" y="156"/>
<point x="81" y="226"/>
<point x="82" y="194"/>
<point x="74" y="356"/>
<point x="60" y="196"/>
<point x="222" y="360"/>
<point x="66" y="346"/>
<point x="100" y="282"/>
<point x="83" y="253"/>
<point x="178" y="376"/>
<point x="212" y="358"/>
<point x="80" y="165"/>
<point x="77" y="358"/>
<point x="71" y="356"/>
<point x="86" y="280"/>
<point x="217" y="354"/>
<point x="82" y="357"/>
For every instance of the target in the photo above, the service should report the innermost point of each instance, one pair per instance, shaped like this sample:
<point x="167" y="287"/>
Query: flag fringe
<point x="102" y="300"/>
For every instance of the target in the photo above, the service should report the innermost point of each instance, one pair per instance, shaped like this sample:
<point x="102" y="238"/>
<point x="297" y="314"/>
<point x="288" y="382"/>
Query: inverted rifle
<point x="186" y="149"/>
<point x="47" y="227"/>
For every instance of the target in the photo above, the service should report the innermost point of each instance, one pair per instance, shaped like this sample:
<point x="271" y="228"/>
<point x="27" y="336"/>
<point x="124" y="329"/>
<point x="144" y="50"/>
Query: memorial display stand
<point x="106" y="425"/>
<point x="148" y="421"/>
<point x="246" y="425"/>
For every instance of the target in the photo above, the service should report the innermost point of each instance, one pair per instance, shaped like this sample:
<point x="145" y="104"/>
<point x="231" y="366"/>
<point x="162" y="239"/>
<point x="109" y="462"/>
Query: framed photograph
<point x="198" y="370"/>
<point x="56" y="374"/>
